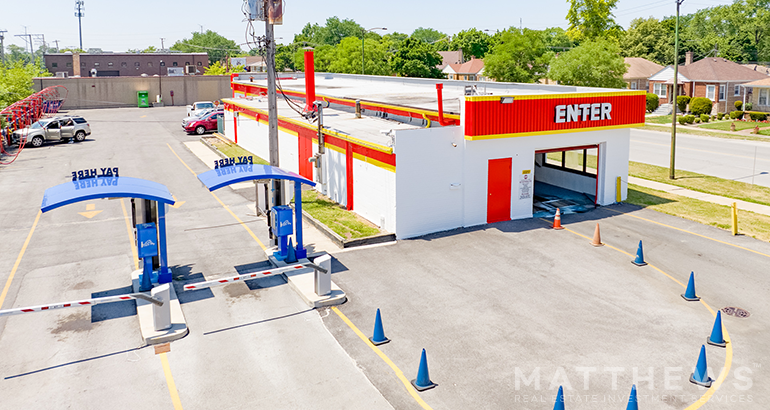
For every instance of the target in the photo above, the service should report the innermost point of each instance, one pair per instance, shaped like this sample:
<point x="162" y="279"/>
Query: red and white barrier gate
<point x="78" y="303"/>
<point x="261" y="274"/>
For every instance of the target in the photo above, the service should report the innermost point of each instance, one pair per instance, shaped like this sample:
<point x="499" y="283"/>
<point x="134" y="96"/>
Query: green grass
<point x="234" y="151"/>
<point x="749" y="223"/>
<point x="695" y="131"/>
<point x="702" y="183"/>
<point x="662" y="119"/>
<point x="725" y="125"/>
<point x="345" y="223"/>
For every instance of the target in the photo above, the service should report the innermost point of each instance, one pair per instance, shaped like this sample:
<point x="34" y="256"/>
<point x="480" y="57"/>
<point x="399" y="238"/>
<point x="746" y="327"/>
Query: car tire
<point x="36" y="141"/>
<point x="200" y="130"/>
<point x="80" y="136"/>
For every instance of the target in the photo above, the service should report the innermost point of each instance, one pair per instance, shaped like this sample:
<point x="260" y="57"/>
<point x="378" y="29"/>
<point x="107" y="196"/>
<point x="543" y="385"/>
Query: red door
<point x="305" y="150"/>
<point x="499" y="190"/>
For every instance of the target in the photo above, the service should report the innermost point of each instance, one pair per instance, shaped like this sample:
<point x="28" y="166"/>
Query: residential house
<point x="761" y="68"/>
<point x="715" y="78"/>
<point x="639" y="72"/>
<point x="472" y="70"/>
<point x="758" y="93"/>
<point x="450" y="57"/>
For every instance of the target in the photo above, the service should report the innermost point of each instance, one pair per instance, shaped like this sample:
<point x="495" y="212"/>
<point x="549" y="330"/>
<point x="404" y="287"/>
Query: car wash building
<point x="415" y="156"/>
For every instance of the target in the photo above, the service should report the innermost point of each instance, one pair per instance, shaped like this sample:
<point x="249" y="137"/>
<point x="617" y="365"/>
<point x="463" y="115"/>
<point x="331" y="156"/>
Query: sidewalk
<point x="746" y="206"/>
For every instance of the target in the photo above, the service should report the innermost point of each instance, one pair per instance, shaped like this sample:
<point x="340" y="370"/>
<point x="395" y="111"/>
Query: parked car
<point x="187" y="120"/>
<point x="63" y="128"/>
<point x="205" y="123"/>
<point x="197" y="107"/>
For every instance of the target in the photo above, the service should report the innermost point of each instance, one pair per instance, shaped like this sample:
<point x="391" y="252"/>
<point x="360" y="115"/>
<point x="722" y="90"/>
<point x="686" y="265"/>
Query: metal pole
<point x="272" y="109"/>
<point x="671" y="172"/>
<point x="362" y="53"/>
<point x="80" y="27"/>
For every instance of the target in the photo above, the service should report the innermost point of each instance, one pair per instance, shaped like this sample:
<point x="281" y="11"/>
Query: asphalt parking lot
<point x="506" y="312"/>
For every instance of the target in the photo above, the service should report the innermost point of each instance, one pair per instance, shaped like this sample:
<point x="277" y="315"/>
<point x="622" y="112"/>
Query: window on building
<point x="124" y="64"/>
<point x="54" y="64"/>
<point x="200" y="63"/>
<point x="69" y="64"/>
<point x="659" y="89"/>
<point x="186" y="63"/>
<point x="162" y="64"/>
<point x="764" y="96"/>
<point x="710" y="92"/>
<point x="633" y="85"/>
<point x="110" y="64"/>
<point x="175" y="64"/>
<point x="137" y="64"/>
<point x="149" y="64"/>
<point x="737" y="91"/>
<point x="579" y="161"/>
<point x="96" y="64"/>
<point x="722" y="92"/>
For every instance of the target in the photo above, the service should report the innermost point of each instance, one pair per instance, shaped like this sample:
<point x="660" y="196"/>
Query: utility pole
<point x="2" y="45"/>
<point x="162" y="46"/>
<point x="57" y="45"/>
<point x="272" y="107"/>
<point x="80" y="12"/>
<point x="671" y="171"/>
<point x="201" y="25"/>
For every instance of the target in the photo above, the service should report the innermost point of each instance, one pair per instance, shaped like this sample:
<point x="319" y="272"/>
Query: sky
<point x="118" y="26"/>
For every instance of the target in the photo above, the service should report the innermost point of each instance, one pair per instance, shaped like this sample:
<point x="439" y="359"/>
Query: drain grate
<point x="737" y="312"/>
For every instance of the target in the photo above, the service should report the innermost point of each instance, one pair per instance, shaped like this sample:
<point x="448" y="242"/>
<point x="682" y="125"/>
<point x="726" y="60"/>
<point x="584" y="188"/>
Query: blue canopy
<point x="104" y="187"/>
<point x="221" y="177"/>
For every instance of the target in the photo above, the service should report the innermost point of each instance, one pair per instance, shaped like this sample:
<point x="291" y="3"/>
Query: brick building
<point x="124" y="64"/>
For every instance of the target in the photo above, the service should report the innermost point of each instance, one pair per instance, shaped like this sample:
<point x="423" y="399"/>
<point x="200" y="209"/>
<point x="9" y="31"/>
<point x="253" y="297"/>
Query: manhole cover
<point x="737" y="312"/>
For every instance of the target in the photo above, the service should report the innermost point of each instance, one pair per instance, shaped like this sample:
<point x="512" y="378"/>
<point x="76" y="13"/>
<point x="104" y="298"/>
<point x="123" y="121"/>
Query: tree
<point x="217" y="47"/>
<point x="218" y="69"/>
<point x="521" y="57"/>
<point x="331" y="33"/>
<point x="473" y="42"/>
<point x="322" y="58"/>
<point x="17" y="53"/>
<point x="591" y="64"/>
<point x="591" y="19"/>
<point x="16" y="80"/>
<point x="427" y="35"/>
<point x="415" y="58"/>
<point x="556" y="38"/>
<point x="646" y="38"/>
<point x="392" y="41"/>
<point x="347" y="57"/>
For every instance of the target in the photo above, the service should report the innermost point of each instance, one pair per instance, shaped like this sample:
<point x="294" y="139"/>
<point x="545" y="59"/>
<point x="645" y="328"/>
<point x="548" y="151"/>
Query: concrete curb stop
<point x="146" y="315"/>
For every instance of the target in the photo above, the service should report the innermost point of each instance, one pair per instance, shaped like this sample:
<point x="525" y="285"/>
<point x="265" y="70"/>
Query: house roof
<point x="451" y="68"/>
<point x="640" y="68"/>
<point x="719" y="70"/>
<point x="758" y="68"/>
<point x="474" y="66"/>
<point x="765" y="82"/>
<point x="451" y="57"/>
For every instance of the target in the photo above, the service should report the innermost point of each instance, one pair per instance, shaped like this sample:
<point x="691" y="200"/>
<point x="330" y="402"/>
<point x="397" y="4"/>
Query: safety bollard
<point x="735" y="218"/>
<point x="323" y="280"/>
<point x="162" y="314"/>
<point x="618" y="192"/>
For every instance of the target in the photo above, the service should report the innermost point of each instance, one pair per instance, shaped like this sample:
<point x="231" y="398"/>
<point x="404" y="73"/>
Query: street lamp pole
<point x="671" y="172"/>
<point x="363" y="36"/>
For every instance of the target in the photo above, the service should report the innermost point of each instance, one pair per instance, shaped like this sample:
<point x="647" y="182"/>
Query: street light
<point x="671" y="171"/>
<point x="363" y="36"/>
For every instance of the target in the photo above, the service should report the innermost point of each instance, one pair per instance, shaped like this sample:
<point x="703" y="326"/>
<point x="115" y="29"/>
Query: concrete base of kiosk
<point x="303" y="282"/>
<point x="144" y="310"/>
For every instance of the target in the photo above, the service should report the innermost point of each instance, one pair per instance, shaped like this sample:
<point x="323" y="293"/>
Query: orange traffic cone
<point x="597" y="241"/>
<point x="557" y="220"/>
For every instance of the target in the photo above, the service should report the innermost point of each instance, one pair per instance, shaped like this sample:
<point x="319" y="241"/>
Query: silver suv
<point x="63" y="128"/>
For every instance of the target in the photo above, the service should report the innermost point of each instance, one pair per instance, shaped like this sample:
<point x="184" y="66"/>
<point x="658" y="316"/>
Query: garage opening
<point x="565" y="178"/>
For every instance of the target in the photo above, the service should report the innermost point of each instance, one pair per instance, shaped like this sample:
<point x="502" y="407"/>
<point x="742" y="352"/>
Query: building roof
<point x="765" y="82"/>
<point x="758" y="68"/>
<point x="474" y="66"/>
<point x="640" y="68"/>
<point x="451" y="57"/>
<point x="451" y="68"/>
<point x="718" y="69"/>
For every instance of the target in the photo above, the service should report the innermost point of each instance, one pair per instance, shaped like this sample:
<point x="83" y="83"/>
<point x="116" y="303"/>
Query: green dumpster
<point x="143" y="98"/>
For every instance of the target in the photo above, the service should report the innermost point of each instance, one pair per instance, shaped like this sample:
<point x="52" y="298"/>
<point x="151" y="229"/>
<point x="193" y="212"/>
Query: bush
<point x="720" y="116"/>
<point x="758" y="116"/>
<point x="681" y="102"/>
<point x="697" y="120"/>
<point x="690" y="119"/>
<point x="736" y="115"/>
<point x="704" y="118"/>
<point x="682" y="120"/>
<point x="748" y="106"/>
<point x="738" y="104"/>
<point x="700" y="105"/>
<point x="652" y="102"/>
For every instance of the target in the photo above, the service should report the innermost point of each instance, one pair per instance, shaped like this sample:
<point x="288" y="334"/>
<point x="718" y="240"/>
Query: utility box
<point x="147" y="240"/>
<point x="143" y="99"/>
<point x="282" y="220"/>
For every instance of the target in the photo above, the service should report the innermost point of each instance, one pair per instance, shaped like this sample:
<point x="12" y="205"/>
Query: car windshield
<point x="205" y="105"/>
<point x="38" y="124"/>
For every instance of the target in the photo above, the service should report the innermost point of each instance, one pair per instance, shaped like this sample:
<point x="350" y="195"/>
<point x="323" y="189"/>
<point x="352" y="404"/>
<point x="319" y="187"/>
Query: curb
<point x="213" y="148"/>
<point x="347" y="243"/>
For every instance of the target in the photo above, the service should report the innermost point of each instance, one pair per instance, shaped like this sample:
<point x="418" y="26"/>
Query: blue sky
<point x="118" y="26"/>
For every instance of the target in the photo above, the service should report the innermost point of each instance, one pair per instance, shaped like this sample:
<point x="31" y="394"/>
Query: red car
<point x="203" y="124"/>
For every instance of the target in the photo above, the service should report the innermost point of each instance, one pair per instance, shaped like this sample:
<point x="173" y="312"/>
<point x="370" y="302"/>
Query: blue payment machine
<point x="282" y="228"/>
<point x="147" y="244"/>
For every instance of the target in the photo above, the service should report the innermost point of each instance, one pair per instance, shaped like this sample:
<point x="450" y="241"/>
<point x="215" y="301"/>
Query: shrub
<point x="700" y="105"/>
<point x="697" y="120"/>
<point x="704" y="118"/>
<point x="682" y="120"/>
<point x="748" y="106"/>
<point x="738" y="104"/>
<point x="681" y="102"/>
<point x="736" y="115"/>
<point x="652" y="102"/>
<point x="720" y="116"/>
<point x="758" y="116"/>
<point x="690" y="119"/>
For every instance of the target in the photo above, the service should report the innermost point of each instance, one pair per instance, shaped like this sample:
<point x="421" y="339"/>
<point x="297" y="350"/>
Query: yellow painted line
<point x="691" y="233"/>
<point x="170" y="382"/>
<point x="728" y="349"/>
<point x="384" y="358"/>
<point x="130" y="234"/>
<point x="220" y="201"/>
<point x="18" y="260"/>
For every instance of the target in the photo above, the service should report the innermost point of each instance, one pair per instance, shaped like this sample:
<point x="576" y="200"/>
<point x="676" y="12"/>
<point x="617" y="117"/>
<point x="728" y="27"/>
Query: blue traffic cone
<point x="689" y="294"/>
<point x="716" y="338"/>
<point x="639" y="261"/>
<point x="378" y="338"/>
<point x="632" y="403"/>
<point x="422" y="382"/>
<point x="291" y="256"/>
<point x="700" y="375"/>
<point x="559" y="405"/>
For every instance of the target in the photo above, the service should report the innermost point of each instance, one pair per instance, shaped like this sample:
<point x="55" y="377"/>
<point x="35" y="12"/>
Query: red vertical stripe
<point x="235" y="126"/>
<point x="349" y="173"/>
